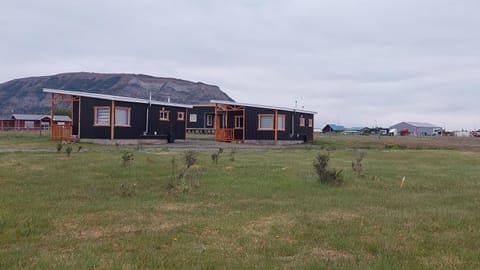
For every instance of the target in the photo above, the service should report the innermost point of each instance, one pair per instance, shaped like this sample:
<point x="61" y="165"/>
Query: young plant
<point x="68" y="150"/>
<point x="216" y="156"/>
<point x="59" y="147"/>
<point x="232" y="154"/>
<point x="127" y="159"/>
<point x="357" y="165"/>
<point x="327" y="176"/>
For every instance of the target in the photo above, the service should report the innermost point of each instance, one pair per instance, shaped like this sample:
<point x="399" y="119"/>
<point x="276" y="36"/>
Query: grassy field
<point x="265" y="209"/>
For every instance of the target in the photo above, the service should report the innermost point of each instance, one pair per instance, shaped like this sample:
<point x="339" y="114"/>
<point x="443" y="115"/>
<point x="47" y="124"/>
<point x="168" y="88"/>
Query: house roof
<point x="37" y="117"/>
<point x="116" y="98"/>
<point x="336" y="127"/>
<point x="419" y="124"/>
<point x="28" y="117"/>
<point x="261" y="106"/>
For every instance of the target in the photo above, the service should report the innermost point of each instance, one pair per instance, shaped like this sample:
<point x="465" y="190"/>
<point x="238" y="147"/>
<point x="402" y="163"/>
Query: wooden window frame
<point x="128" y="116"/>
<point x="165" y="118"/>
<point x="259" y="122"/>
<point x="209" y="121"/>
<point x="95" y="120"/>
<point x="284" y="122"/>
<point x="301" y="121"/>
<point x="181" y="116"/>
<point x="192" y="116"/>
<point x="236" y="117"/>
<point x="310" y="122"/>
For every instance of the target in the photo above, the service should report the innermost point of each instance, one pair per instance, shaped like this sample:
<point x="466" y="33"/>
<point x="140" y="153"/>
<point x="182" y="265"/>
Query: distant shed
<point x="418" y="128"/>
<point x="332" y="128"/>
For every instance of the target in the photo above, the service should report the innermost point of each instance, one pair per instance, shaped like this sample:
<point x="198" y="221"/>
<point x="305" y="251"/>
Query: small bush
<point x="190" y="157"/>
<point x="325" y="175"/>
<point x="216" y="156"/>
<point x="232" y="154"/>
<point x="59" y="147"/>
<point x="68" y="150"/>
<point x="357" y="165"/>
<point x="127" y="159"/>
<point x="188" y="178"/>
<point x="79" y="148"/>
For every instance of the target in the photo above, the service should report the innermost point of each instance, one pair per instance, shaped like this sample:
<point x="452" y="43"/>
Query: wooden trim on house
<point x="112" y="121"/>
<point x="181" y="116"/>
<point x="266" y="129"/>
<point x="95" y="123"/>
<point x="128" y="117"/>
<point x="166" y="116"/>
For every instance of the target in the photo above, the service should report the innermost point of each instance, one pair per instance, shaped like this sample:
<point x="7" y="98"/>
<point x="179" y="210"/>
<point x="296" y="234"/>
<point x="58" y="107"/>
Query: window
<point x="238" y="121"/>
<point x="281" y="122"/>
<point x="193" y="118"/>
<point x="302" y="121"/>
<point x="265" y="121"/>
<point x="102" y="116"/>
<point x="209" y="120"/>
<point x="310" y="122"/>
<point x="122" y="116"/>
<point x="164" y="115"/>
<point x="181" y="116"/>
<point x="29" y="124"/>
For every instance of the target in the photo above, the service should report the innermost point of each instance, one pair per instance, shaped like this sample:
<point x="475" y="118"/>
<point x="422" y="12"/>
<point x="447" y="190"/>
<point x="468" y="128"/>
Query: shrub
<point x="127" y="159"/>
<point x="232" y="154"/>
<point x="216" y="156"/>
<point x="68" y="150"/>
<point x="59" y="147"/>
<point x="325" y="175"/>
<point x="187" y="179"/>
<point x="357" y="165"/>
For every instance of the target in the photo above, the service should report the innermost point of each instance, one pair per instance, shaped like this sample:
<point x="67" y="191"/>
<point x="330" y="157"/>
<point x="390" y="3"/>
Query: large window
<point x="265" y="121"/>
<point x="102" y="116"/>
<point x="164" y="115"/>
<point x="281" y="122"/>
<point x="122" y="116"/>
<point x="238" y="121"/>
<point x="29" y="124"/>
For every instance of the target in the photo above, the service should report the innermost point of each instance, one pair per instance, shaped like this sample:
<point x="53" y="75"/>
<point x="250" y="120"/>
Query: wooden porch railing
<point x="224" y="134"/>
<point x="62" y="133"/>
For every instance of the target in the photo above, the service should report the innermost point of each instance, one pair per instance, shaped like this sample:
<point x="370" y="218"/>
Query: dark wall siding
<point x="201" y="113"/>
<point x="290" y="133"/>
<point x="75" y="118"/>
<point x="174" y="129"/>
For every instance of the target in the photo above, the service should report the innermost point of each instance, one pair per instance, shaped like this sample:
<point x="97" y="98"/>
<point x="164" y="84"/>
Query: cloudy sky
<point x="355" y="62"/>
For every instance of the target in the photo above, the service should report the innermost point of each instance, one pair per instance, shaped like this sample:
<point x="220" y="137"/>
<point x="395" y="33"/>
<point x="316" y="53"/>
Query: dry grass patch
<point x="338" y="215"/>
<point x="263" y="225"/>
<point x="330" y="254"/>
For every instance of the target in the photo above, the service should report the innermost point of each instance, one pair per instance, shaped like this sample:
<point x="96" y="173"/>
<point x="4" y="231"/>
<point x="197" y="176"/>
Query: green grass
<point x="264" y="210"/>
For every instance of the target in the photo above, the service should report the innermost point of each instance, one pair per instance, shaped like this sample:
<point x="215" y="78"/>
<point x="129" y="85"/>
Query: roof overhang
<point x="115" y="98"/>
<point x="260" y="106"/>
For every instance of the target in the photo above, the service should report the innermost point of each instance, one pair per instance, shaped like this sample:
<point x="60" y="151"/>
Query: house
<point x="417" y="129"/>
<point x="332" y="128"/>
<point x="201" y="119"/>
<point x="107" y="117"/>
<point x="242" y="122"/>
<point x="33" y="121"/>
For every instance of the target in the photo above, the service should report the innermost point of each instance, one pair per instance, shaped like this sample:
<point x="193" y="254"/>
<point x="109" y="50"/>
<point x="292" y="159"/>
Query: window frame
<point x="301" y="121"/>
<point x="180" y="116"/>
<point x="167" y="118"/>
<point x="260" y="122"/>
<point x="284" y="122"/>
<point x="209" y="121"/>
<point x="310" y="122"/>
<point x="192" y="118"/>
<point x="128" y="109"/>
<point x="236" y="118"/>
<point x="95" y="116"/>
<point x="29" y="124"/>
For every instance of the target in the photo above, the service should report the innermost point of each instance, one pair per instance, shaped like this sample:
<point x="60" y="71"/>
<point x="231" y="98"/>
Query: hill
<point x="25" y="95"/>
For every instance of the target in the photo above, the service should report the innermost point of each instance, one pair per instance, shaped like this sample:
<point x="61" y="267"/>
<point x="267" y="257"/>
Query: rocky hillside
<point x="26" y="96"/>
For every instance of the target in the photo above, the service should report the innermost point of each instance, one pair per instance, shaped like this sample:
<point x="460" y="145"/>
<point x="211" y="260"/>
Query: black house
<point x="241" y="122"/>
<point x="107" y="117"/>
<point x="201" y="119"/>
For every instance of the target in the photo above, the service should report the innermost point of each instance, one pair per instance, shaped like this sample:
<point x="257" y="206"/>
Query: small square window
<point x="122" y="116"/>
<point x="193" y="118"/>
<point x="181" y="116"/>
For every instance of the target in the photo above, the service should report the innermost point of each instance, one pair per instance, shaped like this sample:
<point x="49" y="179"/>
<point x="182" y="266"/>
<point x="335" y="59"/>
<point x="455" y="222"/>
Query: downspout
<point x="148" y="108"/>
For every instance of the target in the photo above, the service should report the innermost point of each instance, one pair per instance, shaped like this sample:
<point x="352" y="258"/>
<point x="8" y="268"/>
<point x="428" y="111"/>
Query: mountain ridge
<point x="25" y="95"/>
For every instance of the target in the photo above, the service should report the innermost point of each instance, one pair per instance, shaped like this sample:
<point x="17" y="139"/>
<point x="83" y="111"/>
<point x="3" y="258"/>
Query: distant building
<point x="417" y="129"/>
<point x="332" y="128"/>
<point x="33" y="121"/>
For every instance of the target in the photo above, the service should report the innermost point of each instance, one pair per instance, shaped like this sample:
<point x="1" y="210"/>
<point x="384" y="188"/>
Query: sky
<point x="355" y="62"/>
